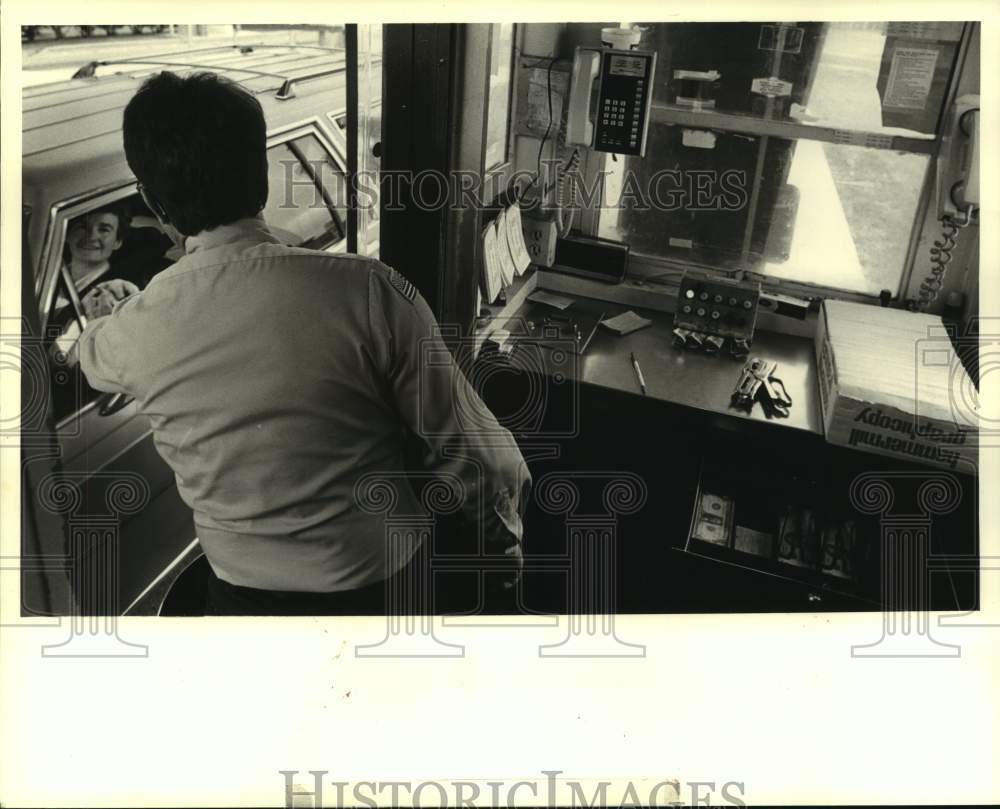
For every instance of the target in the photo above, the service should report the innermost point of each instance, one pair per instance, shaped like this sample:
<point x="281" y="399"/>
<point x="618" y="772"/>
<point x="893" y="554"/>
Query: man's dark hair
<point x="198" y="145"/>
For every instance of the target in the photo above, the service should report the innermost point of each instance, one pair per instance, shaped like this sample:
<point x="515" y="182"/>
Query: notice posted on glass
<point x="910" y="78"/>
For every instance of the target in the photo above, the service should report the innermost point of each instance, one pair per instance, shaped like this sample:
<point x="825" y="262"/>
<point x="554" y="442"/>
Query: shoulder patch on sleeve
<point x="402" y="286"/>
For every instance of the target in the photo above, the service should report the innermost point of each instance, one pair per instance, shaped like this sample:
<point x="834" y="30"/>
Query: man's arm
<point x="438" y="404"/>
<point x="101" y="350"/>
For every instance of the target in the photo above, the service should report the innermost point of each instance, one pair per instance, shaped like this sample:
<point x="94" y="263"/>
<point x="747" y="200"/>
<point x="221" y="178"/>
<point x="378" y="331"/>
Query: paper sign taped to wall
<point x="772" y="87"/>
<point x="943" y="31"/>
<point x="533" y="117"/>
<point x="910" y="76"/>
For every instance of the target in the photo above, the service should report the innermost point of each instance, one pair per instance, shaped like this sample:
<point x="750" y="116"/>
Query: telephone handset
<point x="624" y="80"/>
<point x="958" y="163"/>
<point x="957" y="191"/>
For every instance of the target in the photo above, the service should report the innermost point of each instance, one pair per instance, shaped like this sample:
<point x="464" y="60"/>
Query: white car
<point x="107" y="505"/>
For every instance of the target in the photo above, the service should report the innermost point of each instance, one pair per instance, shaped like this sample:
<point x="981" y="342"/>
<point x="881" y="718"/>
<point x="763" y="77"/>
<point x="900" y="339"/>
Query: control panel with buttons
<point x="624" y="101"/>
<point x="717" y="306"/>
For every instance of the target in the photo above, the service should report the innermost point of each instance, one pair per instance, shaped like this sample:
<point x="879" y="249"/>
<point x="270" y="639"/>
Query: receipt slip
<point x="492" y="279"/>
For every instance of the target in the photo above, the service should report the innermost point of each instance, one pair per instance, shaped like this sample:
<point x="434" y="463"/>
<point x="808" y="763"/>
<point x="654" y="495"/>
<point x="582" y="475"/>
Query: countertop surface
<point x="683" y="377"/>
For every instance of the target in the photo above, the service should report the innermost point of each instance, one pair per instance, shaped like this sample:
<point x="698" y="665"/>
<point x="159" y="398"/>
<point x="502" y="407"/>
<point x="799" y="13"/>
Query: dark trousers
<point x="224" y="598"/>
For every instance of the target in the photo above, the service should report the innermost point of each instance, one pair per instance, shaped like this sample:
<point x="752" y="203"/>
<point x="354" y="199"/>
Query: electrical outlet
<point x="540" y="239"/>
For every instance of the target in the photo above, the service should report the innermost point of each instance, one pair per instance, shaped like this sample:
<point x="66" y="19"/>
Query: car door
<point x="126" y="523"/>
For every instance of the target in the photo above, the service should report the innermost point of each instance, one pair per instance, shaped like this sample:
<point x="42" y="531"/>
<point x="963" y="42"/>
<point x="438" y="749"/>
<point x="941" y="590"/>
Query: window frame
<point x="314" y="126"/>
<point x="340" y="134"/>
<point x="505" y="157"/>
<point x="645" y="265"/>
<point x="51" y="268"/>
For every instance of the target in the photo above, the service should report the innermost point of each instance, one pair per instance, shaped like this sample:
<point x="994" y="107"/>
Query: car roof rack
<point x="87" y="71"/>
<point x="285" y="91"/>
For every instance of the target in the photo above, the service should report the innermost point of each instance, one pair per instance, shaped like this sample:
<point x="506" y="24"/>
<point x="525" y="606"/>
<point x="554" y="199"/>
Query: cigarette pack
<point x="759" y="543"/>
<point x="798" y="538"/>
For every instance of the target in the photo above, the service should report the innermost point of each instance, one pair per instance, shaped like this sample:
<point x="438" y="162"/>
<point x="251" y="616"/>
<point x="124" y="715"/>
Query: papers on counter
<point x="626" y="323"/>
<point x="560" y="302"/>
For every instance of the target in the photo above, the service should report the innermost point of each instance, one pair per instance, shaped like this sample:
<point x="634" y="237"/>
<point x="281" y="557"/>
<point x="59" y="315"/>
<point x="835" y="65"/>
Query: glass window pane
<point x="883" y="77"/>
<point x="370" y="136"/>
<point x="683" y="201"/>
<point x="328" y="172"/>
<point x="498" y="110"/>
<point x="846" y="215"/>
<point x="828" y="214"/>
<point x="295" y="209"/>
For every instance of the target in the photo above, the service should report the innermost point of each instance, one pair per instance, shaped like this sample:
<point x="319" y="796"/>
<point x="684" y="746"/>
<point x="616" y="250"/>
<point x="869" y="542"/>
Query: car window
<point x="108" y="253"/>
<point x="306" y="203"/>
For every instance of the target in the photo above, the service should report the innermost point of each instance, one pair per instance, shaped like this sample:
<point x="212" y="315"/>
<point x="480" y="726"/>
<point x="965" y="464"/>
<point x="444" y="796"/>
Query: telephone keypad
<point x="622" y="103"/>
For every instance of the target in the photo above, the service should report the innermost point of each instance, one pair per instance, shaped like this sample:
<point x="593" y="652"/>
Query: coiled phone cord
<point x="941" y="254"/>
<point x="567" y="194"/>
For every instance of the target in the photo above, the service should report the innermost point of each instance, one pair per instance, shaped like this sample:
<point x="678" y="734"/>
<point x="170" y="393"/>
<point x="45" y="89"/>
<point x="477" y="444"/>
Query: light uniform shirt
<point x="275" y="379"/>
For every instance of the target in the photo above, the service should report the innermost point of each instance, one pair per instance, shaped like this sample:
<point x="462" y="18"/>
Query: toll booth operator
<point x="276" y="378"/>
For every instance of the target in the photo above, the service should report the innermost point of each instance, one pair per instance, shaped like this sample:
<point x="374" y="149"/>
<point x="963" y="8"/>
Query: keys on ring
<point x="757" y="382"/>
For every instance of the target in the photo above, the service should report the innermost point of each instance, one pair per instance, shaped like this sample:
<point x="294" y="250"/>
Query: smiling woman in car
<point x="90" y="242"/>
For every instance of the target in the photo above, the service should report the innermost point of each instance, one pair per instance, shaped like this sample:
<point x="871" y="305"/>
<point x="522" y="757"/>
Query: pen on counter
<point x="638" y="373"/>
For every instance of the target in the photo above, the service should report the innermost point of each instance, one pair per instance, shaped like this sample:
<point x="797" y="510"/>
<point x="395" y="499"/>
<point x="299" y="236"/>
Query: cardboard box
<point x="891" y="383"/>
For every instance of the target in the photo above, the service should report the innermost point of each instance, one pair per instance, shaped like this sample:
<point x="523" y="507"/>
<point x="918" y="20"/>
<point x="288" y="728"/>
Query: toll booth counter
<point x="703" y="481"/>
<point x="730" y="314"/>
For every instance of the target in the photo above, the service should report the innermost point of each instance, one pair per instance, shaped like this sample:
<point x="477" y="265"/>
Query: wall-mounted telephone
<point x="958" y="163"/>
<point x="957" y="190"/>
<point x="624" y="83"/>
